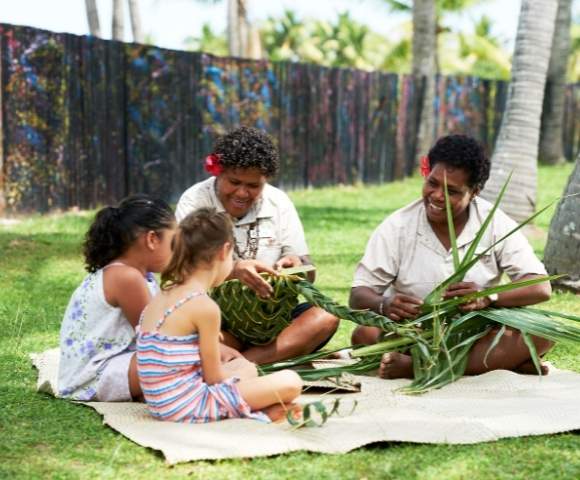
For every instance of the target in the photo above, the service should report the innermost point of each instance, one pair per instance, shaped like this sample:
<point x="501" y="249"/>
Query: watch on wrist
<point x="493" y="297"/>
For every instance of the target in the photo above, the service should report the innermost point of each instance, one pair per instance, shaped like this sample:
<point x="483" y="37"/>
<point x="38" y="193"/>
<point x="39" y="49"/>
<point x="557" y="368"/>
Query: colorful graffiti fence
<point x="86" y="121"/>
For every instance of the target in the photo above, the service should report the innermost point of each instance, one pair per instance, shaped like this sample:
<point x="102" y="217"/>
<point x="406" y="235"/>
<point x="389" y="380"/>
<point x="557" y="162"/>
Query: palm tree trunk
<point x="93" y="17"/>
<point x="551" y="147"/>
<point x="255" y="51"/>
<point x="424" y="48"/>
<point x="118" y="20"/>
<point x="233" y="32"/>
<point x="243" y="27"/>
<point x="562" y="254"/>
<point x="517" y="145"/>
<point x="136" y="21"/>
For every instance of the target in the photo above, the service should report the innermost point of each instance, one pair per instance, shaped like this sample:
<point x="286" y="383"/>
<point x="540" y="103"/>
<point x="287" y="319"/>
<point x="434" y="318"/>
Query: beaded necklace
<point x="252" y="239"/>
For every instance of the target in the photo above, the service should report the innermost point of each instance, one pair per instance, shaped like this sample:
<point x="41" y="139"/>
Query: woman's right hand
<point x="248" y="272"/>
<point x="402" y="307"/>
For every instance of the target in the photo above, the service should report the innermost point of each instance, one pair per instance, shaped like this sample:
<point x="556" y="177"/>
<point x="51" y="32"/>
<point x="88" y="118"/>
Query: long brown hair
<point x="199" y="237"/>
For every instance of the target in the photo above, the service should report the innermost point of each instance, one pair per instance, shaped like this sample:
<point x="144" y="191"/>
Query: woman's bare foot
<point x="277" y="413"/>
<point x="528" y="368"/>
<point x="396" y="365"/>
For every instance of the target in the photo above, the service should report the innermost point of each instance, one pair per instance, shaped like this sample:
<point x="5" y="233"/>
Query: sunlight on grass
<point x="40" y="266"/>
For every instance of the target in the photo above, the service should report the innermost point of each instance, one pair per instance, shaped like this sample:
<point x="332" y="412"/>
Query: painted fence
<point x="87" y="121"/>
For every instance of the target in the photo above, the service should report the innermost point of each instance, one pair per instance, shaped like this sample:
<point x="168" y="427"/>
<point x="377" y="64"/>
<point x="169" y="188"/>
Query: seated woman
<point x="409" y="254"/>
<point x="268" y="234"/>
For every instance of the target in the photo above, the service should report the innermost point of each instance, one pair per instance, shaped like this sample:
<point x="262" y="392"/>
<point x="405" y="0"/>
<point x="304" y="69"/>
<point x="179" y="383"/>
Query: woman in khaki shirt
<point x="268" y="235"/>
<point x="409" y="254"/>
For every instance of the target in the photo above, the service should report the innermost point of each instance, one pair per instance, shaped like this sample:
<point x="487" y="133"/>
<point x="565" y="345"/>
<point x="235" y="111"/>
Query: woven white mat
<point x="485" y="408"/>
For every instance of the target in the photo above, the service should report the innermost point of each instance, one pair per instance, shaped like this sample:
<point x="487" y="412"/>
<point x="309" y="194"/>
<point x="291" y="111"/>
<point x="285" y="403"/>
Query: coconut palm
<point x="442" y="7"/>
<point x="517" y="145"/>
<point x="561" y="254"/>
<point x="93" y="17"/>
<point x="551" y="147"/>
<point x="424" y="40"/>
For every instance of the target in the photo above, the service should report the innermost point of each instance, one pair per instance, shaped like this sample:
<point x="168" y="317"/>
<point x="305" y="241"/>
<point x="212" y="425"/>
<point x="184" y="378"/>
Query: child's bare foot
<point x="396" y="365"/>
<point x="528" y="368"/>
<point x="278" y="412"/>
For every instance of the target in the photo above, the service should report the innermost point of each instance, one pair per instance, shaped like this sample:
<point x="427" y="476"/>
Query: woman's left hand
<point x="461" y="289"/>
<point x="288" y="261"/>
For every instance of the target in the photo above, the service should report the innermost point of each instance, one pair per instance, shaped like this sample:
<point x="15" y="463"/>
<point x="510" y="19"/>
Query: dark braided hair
<point x="114" y="229"/>
<point x="199" y="237"/>
<point x="247" y="147"/>
<point x="464" y="152"/>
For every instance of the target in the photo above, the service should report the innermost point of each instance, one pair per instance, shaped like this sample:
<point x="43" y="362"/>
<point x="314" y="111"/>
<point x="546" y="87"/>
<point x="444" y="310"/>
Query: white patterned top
<point x="92" y="332"/>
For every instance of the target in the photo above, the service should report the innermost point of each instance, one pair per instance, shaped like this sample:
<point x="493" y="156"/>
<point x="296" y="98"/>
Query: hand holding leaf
<point x="462" y="289"/>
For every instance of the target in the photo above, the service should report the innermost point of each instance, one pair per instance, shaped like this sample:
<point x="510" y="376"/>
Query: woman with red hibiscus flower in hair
<point x="409" y="254"/>
<point x="268" y="234"/>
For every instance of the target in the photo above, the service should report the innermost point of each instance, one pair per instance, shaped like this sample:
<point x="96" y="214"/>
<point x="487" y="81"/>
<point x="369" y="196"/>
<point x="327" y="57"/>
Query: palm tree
<point x="93" y="17"/>
<point x="441" y="8"/>
<point x="136" y="21"/>
<point x="118" y="27"/>
<point x="551" y="147"/>
<point x="574" y="62"/>
<point x="517" y="145"/>
<point x="561" y="254"/>
<point x="424" y="40"/>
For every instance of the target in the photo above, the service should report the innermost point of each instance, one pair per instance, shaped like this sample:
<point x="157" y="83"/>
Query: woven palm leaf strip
<point x="257" y="321"/>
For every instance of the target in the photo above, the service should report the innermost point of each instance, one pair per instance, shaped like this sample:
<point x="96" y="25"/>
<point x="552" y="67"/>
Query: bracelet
<point x="381" y="306"/>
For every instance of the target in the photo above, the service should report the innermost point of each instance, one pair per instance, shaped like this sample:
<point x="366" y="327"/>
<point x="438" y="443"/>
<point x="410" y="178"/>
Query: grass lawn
<point x="40" y="437"/>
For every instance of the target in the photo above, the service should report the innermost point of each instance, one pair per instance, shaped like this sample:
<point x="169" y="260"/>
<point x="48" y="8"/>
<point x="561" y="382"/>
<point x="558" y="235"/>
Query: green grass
<point x="41" y="437"/>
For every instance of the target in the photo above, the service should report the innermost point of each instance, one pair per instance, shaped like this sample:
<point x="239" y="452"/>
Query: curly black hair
<point x="247" y="147"/>
<point x="114" y="229"/>
<point x="464" y="152"/>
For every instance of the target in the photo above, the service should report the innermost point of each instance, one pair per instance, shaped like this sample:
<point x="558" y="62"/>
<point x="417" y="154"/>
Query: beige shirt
<point x="273" y="216"/>
<point x="405" y="256"/>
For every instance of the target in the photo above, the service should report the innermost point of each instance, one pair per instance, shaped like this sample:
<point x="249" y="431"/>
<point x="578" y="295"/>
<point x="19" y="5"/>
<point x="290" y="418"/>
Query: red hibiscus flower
<point x="213" y="165"/>
<point x="425" y="169"/>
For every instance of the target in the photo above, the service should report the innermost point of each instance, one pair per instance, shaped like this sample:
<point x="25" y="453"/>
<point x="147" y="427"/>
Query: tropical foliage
<point x="350" y="44"/>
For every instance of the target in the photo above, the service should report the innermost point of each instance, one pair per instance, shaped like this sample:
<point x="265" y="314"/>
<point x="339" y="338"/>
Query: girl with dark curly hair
<point x="267" y="230"/>
<point x="409" y="253"/>
<point x="123" y="245"/>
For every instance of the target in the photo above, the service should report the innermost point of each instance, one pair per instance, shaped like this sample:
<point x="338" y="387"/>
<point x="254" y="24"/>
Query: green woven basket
<point x="257" y="321"/>
<point x="254" y="320"/>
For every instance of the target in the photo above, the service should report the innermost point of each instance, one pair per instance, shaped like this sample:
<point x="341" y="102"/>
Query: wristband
<point x="381" y="306"/>
<point x="493" y="297"/>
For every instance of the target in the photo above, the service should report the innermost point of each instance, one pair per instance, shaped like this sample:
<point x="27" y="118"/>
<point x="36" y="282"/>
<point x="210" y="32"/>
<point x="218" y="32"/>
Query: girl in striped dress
<point x="178" y="358"/>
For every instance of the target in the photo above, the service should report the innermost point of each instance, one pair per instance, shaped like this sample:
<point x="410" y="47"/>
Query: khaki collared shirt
<point x="405" y="256"/>
<point x="279" y="228"/>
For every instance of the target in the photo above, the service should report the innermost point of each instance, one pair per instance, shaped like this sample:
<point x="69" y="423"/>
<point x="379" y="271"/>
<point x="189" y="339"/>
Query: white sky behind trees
<point x="169" y="22"/>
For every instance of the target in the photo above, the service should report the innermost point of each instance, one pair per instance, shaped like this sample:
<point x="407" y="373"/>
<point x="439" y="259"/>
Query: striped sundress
<point x="171" y="378"/>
